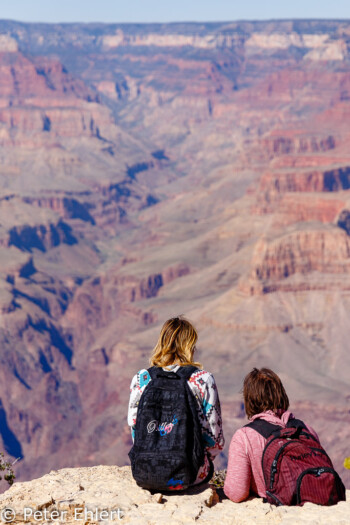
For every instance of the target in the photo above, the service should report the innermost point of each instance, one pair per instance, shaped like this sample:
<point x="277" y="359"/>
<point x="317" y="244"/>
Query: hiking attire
<point x="244" y="470"/>
<point x="203" y="387"/>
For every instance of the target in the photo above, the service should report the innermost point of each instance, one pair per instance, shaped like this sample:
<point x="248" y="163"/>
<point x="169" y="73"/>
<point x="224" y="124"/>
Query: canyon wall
<point x="151" y="171"/>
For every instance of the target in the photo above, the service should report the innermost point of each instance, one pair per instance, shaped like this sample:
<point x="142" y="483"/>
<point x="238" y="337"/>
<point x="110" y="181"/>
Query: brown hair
<point x="176" y="344"/>
<point x="263" y="390"/>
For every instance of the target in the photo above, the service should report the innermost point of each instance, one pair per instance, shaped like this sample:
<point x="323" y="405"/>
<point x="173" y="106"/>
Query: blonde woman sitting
<point x="174" y="414"/>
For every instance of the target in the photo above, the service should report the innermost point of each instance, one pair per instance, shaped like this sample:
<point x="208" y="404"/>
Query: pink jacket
<point x="244" y="471"/>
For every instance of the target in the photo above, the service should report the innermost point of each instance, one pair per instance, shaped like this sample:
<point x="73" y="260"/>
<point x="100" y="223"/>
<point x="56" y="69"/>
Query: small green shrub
<point x="6" y="467"/>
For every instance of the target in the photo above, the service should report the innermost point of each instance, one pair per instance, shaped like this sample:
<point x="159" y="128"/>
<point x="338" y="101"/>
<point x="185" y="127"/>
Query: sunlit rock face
<point x="152" y="171"/>
<point x="109" y="493"/>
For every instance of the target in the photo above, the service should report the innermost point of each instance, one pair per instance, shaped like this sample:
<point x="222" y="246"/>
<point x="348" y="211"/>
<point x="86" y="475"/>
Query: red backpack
<point x="296" y="468"/>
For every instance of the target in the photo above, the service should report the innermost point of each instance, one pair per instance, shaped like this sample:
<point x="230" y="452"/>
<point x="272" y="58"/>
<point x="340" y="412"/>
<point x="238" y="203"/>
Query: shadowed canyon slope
<point x="148" y="171"/>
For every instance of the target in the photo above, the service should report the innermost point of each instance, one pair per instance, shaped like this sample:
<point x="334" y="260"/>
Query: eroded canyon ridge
<point x="153" y="170"/>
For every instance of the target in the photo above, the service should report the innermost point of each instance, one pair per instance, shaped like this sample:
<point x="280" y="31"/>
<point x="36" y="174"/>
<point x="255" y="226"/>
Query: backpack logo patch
<point x="306" y="455"/>
<point x="175" y="484"/>
<point x="163" y="428"/>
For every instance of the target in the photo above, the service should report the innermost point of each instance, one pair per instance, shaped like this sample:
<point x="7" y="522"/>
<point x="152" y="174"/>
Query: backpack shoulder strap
<point x="153" y="372"/>
<point x="297" y="423"/>
<point x="263" y="427"/>
<point x="186" y="371"/>
<point x="183" y="372"/>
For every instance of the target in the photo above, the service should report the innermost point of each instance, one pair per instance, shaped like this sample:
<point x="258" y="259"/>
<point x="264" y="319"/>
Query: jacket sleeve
<point x="238" y="477"/>
<point x="137" y="386"/>
<point x="210" y="416"/>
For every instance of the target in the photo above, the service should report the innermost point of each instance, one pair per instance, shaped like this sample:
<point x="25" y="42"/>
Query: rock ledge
<point x="104" y="494"/>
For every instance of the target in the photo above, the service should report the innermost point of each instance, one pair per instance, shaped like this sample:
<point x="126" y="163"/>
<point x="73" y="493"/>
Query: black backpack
<point x="295" y="466"/>
<point x="168" y="448"/>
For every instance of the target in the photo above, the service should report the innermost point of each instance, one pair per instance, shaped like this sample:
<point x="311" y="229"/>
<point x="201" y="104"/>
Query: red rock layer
<point x="299" y="254"/>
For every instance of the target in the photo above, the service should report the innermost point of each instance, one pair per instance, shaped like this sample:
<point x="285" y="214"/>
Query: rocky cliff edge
<point x="105" y="494"/>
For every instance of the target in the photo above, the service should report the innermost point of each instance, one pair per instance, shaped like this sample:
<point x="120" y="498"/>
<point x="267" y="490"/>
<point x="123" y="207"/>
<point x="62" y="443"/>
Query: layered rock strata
<point x="148" y="171"/>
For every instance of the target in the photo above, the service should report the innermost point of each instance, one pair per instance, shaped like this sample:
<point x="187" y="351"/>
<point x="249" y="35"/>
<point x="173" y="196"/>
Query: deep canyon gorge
<point x="154" y="170"/>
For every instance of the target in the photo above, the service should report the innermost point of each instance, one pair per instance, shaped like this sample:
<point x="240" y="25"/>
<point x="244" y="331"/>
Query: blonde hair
<point x="176" y="344"/>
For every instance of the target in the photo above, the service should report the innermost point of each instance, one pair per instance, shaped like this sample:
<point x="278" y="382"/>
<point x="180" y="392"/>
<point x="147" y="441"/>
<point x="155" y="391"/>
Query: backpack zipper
<point x="275" y="461"/>
<point x="322" y="452"/>
<point x="262" y="459"/>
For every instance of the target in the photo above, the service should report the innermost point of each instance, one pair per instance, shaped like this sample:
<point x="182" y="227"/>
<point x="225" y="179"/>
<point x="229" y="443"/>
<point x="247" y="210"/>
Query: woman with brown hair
<point x="265" y="400"/>
<point x="174" y="355"/>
